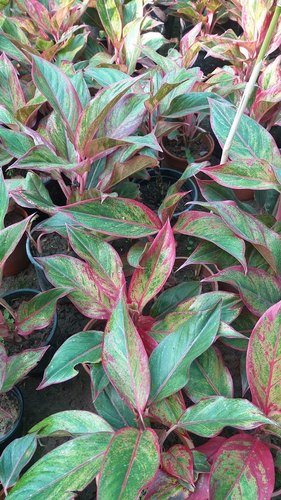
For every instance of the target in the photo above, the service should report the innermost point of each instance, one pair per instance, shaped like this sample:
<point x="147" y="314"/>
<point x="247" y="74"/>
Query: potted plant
<point x="141" y="366"/>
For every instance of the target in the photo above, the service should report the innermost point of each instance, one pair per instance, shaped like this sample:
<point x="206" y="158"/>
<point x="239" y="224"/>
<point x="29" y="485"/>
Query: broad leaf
<point x="247" y="174"/>
<point x="258" y="289"/>
<point x="70" y="467"/>
<point x="39" y="311"/>
<point x="19" y="365"/>
<point x="109" y="14"/>
<point x="251" y="141"/>
<point x="33" y="194"/>
<point x="14" y="458"/>
<point x="154" y="268"/>
<point x="113" y="216"/>
<point x="178" y="462"/>
<point x="165" y="487"/>
<point x="171" y="298"/>
<point x="243" y="468"/>
<point x="58" y="90"/>
<point x="124" y="358"/>
<point x="171" y="359"/>
<point x="83" y="347"/>
<point x="71" y="423"/>
<point x="70" y="272"/>
<point x="103" y="259"/>
<point x="208" y="417"/>
<point x="9" y="238"/>
<point x="263" y="363"/>
<point x="4" y="197"/>
<point x="210" y="227"/>
<point x="130" y="464"/>
<point x="114" y="410"/>
<point x="208" y="376"/>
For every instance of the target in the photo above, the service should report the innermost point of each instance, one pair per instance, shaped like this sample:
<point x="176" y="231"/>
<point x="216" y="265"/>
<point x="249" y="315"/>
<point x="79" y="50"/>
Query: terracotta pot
<point x="18" y="260"/>
<point x="244" y="194"/>
<point x="177" y="163"/>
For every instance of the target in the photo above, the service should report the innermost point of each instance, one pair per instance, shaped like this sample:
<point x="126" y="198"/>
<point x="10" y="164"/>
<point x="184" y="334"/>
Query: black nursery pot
<point x="17" y="428"/>
<point x="50" y="340"/>
<point x="174" y="176"/>
<point x="43" y="283"/>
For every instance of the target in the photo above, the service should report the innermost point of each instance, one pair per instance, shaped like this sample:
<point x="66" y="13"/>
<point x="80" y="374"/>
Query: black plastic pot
<point x="39" y="369"/>
<point x="174" y="175"/>
<point x="43" y="283"/>
<point x="16" y="431"/>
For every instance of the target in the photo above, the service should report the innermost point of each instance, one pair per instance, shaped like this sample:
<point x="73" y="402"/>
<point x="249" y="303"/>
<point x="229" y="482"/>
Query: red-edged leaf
<point x="113" y="216"/>
<point x="19" y="365"/>
<point x="144" y="325"/>
<point x="130" y="464"/>
<point x="169" y="204"/>
<point x="166" y="487"/>
<point x="248" y="227"/>
<point x="264" y="363"/>
<point x="201" y="491"/>
<point x="212" y="228"/>
<point x="178" y="462"/>
<point x="3" y="363"/>
<point x="124" y="358"/>
<point x="9" y="238"/>
<point x="258" y="289"/>
<point x="12" y="95"/>
<point x="89" y="299"/>
<point x="103" y="259"/>
<point x="154" y="268"/>
<point x="247" y="174"/>
<point x="211" y="447"/>
<point x="243" y="468"/>
<point x="38" y="312"/>
<point x="58" y="90"/>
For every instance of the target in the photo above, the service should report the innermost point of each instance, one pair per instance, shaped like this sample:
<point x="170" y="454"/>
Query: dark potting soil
<point x="154" y="191"/>
<point x="52" y="244"/>
<point x="12" y="218"/>
<point x="36" y="339"/>
<point x="9" y="406"/>
<point x="194" y="150"/>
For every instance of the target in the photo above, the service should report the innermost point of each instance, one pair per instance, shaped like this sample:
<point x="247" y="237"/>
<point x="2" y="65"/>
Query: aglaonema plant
<point x="158" y="382"/>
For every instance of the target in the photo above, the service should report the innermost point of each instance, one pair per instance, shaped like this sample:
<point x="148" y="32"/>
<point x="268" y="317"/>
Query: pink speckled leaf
<point x="178" y="462"/>
<point x="154" y="268"/>
<point x="264" y="363"/>
<point x="243" y="468"/>
<point x="124" y="358"/>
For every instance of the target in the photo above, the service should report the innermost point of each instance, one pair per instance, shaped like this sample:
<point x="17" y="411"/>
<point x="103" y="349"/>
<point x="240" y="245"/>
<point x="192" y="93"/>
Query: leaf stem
<point x="251" y="83"/>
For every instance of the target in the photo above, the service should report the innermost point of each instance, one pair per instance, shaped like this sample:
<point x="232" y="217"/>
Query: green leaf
<point x="102" y="258"/>
<point x="251" y="141"/>
<point x="89" y="299"/>
<point x="212" y="228"/>
<point x="171" y="298"/>
<point x="258" y="289"/>
<point x="71" y="423"/>
<point x="114" y="410"/>
<point x="114" y="216"/>
<point x="171" y="359"/>
<point x="154" y="268"/>
<point x="208" y="376"/>
<point x="9" y="238"/>
<point x="70" y="467"/>
<point x="83" y="347"/>
<point x="208" y="417"/>
<point x="124" y="358"/>
<point x="38" y="312"/>
<point x="190" y="103"/>
<point x="12" y="96"/>
<point x="19" y="365"/>
<point x="33" y="194"/>
<point x="108" y="11"/>
<point x="15" y="143"/>
<point x="58" y="90"/>
<point x="132" y="43"/>
<point x="14" y="458"/>
<point x="247" y="174"/>
<point x="130" y="464"/>
<point x="43" y="159"/>
<point x="4" y="197"/>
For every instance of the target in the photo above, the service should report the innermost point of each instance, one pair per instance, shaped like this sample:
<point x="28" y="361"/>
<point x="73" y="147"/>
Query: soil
<point x="52" y="244"/>
<point x="12" y="218"/>
<point x="154" y="191"/>
<point x="195" y="148"/>
<point x="36" y="339"/>
<point x="10" y="405"/>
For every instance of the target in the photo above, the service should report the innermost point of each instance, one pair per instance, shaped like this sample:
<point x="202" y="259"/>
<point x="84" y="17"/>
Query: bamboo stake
<point x="251" y="83"/>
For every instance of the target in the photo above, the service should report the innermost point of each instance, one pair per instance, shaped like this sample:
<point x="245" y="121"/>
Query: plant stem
<point x="251" y="83"/>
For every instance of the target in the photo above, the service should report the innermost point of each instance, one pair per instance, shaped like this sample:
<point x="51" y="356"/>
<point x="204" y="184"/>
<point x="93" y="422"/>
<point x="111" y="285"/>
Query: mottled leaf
<point x="14" y="458"/>
<point x="70" y="423"/>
